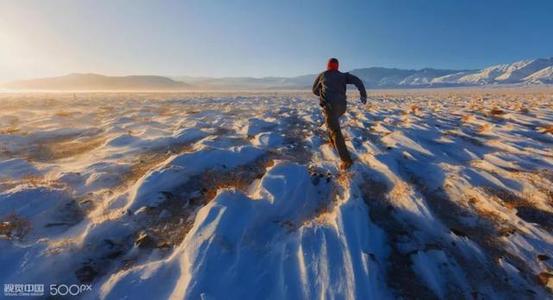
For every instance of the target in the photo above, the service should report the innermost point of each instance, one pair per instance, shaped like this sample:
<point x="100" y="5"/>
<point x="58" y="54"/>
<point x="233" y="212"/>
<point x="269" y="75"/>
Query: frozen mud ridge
<point x="198" y="196"/>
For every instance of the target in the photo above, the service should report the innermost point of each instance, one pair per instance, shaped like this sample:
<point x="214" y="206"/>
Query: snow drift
<point x="217" y="196"/>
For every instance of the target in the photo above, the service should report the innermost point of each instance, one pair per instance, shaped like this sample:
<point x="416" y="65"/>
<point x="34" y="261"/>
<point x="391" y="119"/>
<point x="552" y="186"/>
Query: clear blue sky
<point x="262" y="38"/>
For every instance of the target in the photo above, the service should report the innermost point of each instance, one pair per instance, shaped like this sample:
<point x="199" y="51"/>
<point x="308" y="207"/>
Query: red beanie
<point x="332" y="64"/>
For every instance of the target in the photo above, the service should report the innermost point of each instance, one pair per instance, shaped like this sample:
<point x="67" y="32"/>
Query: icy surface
<point x="229" y="196"/>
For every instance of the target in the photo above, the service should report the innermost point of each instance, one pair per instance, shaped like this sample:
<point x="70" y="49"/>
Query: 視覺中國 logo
<point x="23" y="289"/>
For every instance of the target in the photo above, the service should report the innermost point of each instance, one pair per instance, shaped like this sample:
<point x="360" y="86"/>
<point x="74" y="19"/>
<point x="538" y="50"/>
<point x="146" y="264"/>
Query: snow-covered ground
<point x="229" y="196"/>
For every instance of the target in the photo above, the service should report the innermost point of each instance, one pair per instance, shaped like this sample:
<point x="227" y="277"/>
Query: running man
<point x="330" y="86"/>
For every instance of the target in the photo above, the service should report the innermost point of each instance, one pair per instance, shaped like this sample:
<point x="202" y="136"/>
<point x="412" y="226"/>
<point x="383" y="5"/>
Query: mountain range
<point x="524" y="72"/>
<point x="79" y="81"/>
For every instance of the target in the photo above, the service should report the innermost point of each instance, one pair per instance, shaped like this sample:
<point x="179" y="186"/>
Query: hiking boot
<point x="346" y="165"/>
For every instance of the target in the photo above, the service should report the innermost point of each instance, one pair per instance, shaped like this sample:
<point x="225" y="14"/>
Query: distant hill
<point x="300" y="82"/>
<point x="524" y="72"/>
<point x="99" y="82"/>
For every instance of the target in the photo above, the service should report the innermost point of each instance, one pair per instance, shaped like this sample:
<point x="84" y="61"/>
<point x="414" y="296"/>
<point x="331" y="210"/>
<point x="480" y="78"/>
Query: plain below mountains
<point x="525" y="72"/>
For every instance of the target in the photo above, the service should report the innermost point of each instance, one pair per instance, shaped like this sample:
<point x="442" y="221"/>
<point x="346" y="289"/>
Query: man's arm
<point x="317" y="85"/>
<point x="352" y="79"/>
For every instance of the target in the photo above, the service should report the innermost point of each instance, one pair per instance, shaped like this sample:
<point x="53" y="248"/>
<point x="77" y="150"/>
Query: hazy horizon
<point x="176" y="76"/>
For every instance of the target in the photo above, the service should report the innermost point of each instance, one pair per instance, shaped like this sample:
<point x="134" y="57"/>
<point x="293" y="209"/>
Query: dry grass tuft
<point x="485" y="128"/>
<point x="14" y="227"/>
<point x="239" y="178"/>
<point x="143" y="165"/>
<point x="63" y="114"/>
<point x="467" y="118"/>
<point x="545" y="279"/>
<point x="502" y="226"/>
<point x="414" y="108"/>
<point x="497" y="112"/>
<point x="9" y="130"/>
<point x="546" y="129"/>
<point x="400" y="190"/>
<point x="65" y="149"/>
<point x="36" y="181"/>
<point x="165" y="111"/>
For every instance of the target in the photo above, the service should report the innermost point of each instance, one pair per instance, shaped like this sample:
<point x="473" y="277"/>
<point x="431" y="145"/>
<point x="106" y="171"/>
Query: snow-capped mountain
<point x="484" y="76"/>
<point x="424" y="77"/>
<point x="545" y="75"/>
<point x="522" y="69"/>
<point x="534" y="71"/>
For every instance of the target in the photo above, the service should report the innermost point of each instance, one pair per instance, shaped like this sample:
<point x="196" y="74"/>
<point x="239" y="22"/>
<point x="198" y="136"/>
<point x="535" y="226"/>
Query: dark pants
<point x="332" y="119"/>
